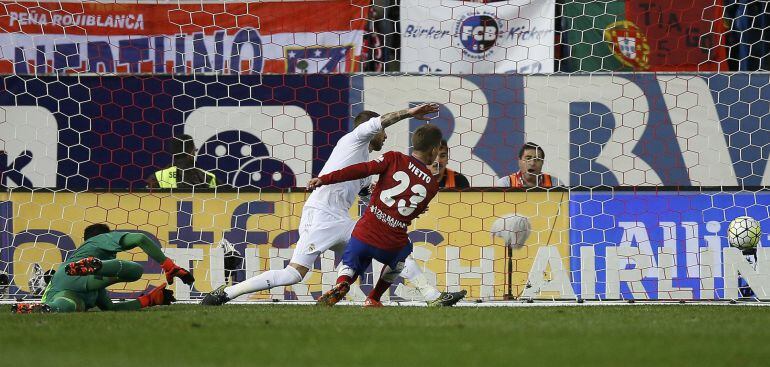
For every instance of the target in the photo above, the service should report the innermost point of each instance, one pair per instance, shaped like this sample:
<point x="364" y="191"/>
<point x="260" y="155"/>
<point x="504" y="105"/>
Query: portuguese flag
<point x="644" y="35"/>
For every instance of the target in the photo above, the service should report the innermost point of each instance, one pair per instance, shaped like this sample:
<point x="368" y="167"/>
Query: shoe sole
<point x="28" y="309"/>
<point x="333" y="296"/>
<point x="85" y="266"/>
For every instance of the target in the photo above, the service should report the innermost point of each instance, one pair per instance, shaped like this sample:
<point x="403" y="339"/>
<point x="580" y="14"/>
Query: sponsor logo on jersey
<point x="387" y="219"/>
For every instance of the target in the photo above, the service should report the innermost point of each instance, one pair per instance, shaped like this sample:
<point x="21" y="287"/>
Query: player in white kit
<point x="326" y="223"/>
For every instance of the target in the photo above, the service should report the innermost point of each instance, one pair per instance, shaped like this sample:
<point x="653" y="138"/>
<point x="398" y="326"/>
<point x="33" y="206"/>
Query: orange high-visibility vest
<point x="544" y="180"/>
<point x="449" y="178"/>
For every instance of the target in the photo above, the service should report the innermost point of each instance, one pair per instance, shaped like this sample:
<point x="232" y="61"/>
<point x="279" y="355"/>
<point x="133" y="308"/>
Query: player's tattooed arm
<point x="419" y="112"/>
<point x="393" y="117"/>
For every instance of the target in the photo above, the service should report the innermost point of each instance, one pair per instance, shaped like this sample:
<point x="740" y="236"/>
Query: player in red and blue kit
<point x="403" y="191"/>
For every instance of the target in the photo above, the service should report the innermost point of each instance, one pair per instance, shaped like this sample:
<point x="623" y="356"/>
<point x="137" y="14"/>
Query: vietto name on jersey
<point x="402" y="193"/>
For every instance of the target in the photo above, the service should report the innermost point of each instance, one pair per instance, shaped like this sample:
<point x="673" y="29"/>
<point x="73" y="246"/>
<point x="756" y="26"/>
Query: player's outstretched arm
<point x="419" y="112"/>
<point x="156" y="297"/>
<point x="131" y="240"/>
<point x="352" y="172"/>
<point x="104" y="302"/>
<point x="173" y="270"/>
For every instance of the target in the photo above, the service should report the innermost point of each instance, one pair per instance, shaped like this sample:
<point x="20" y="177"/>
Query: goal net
<point x="651" y="119"/>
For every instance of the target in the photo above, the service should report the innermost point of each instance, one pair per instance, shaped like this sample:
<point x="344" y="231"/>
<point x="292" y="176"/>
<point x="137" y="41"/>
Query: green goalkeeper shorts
<point x="66" y="301"/>
<point x="72" y="286"/>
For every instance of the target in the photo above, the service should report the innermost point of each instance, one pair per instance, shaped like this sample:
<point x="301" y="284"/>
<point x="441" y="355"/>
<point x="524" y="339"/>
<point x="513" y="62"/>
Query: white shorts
<point x="320" y="231"/>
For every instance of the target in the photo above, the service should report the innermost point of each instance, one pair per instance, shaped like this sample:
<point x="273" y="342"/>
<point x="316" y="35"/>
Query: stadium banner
<point x="612" y="130"/>
<point x="665" y="245"/>
<point x="621" y="129"/>
<point x="183" y="38"/>
<point x="251" y="130"/>
<point x="461" y="37"/>
<point x="452" y="240"/>
<point x="644" y="35"/>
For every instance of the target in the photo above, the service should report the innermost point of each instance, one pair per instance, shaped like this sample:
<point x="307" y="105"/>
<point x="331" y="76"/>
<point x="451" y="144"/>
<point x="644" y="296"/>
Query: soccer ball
<point x="743" y="233"/>
<point x="513" y="229"/>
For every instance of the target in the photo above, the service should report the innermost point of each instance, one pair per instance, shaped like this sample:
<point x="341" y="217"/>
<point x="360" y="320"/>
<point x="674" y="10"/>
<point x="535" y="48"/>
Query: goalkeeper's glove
<point x="157" y="297"/>
<point x="173" y="270"/>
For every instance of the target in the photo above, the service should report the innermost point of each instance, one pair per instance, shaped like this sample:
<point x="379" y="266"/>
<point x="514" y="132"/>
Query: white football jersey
<point x="350" y="149"/>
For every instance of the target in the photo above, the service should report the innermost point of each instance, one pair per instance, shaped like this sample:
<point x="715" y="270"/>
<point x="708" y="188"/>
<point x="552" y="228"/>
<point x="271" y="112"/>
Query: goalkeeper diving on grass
<point x="81" y="282"/>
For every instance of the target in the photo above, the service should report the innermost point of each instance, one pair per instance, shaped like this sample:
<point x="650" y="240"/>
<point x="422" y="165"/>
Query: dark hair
<point x="182" y="148"/>
<point x="95" y="230"/>
<point x="364" y="116"/>
<point x="444" y="145"/>
<point x="531" y="145"/>
<point x="426" y="137"/>
<point x="182" y="144"/>
<point x="187" y="176"/>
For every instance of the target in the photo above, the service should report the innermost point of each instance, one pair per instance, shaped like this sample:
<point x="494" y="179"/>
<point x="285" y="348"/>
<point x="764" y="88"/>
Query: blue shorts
<point x="358" y="255"/>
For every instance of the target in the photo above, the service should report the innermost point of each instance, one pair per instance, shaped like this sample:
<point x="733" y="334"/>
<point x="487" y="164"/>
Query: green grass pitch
<point x="287" y="335"/>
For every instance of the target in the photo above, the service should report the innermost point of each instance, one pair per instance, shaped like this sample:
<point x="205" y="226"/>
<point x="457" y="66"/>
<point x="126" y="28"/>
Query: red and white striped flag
<point x="264" y="37"/>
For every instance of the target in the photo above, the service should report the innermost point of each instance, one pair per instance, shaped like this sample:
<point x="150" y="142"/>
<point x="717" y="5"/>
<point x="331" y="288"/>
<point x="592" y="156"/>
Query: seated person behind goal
<point x="530" y="173"/>
<point x="447" y="178"/>
<point x="182" y="173"/>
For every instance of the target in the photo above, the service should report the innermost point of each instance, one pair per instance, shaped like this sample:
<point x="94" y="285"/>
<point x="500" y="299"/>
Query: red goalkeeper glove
<point x="173" y="270"/>
<point x="157" y="297"/>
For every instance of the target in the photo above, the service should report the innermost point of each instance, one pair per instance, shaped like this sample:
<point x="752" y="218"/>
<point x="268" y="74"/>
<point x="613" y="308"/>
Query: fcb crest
<point x="478" y="34"/>
<point x="629" y="44"/>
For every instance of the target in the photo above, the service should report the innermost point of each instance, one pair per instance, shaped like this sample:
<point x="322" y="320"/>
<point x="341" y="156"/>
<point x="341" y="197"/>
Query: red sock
<point x="379" y="290"/>
<point x="344" y="278"/>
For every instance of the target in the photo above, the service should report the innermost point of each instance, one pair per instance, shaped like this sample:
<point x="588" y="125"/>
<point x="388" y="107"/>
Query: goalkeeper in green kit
<point x="81" y="281"/>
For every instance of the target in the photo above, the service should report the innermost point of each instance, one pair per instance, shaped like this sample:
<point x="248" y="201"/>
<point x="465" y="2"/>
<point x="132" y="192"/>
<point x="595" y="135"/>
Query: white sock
<point x="343" y="269"/>
<point x="414" y="274"/>
<point x="390" y="275"/>
<point x="266" y="280"/>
